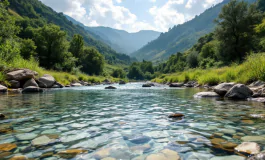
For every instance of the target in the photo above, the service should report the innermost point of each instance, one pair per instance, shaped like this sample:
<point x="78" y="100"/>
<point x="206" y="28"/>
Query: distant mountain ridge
<point x="181" y="37"/>
<point x="120" y="40"/>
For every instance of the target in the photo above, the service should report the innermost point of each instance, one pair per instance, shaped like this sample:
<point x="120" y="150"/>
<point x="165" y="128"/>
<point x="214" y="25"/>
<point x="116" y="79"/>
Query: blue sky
<point x="132" y="15"/>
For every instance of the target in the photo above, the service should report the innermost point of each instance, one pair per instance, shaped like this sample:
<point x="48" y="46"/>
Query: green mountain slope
<point x="120" y="40"/>
<point x="35" y="9"/>
<point x="181" y="37"/>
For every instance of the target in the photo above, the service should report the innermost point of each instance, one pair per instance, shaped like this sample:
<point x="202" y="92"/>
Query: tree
<point x="28" y="48"/>
<point x="192" y="59"/>
<point x="235" y="29"/>
<point x="135" y="72"/>
<point x="77" y="46"/>
<point x="118" y="73"/>
<point x="92" y="61"/>
<point x="261" y="5"/>
<point x="52" y="47"/>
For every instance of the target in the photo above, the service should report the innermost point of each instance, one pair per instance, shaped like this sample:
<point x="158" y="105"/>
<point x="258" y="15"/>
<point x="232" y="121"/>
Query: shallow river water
<point x="128" y="123"/>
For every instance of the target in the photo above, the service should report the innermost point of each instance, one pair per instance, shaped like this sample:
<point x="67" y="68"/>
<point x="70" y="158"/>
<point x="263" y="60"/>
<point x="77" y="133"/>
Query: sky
<point x="132" y="15"/>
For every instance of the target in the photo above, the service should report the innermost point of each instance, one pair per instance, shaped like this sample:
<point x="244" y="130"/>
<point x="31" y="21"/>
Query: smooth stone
<point x="253" y="138"/>
<point x="206" y="95"/>
<point x="110" y="87"/>
<point x="170" y="154"/>
<point x="157" y="134"/>
<point x="19" y="157"/>
<point x="3" y="88"/>
<point x="7" y="147"/>
<point x="140" y="139"/>
<point x="30" y="82"/>
<point x="46" y="81"/>
<point x="228" y="158"/>
<point x="40" y="141"/>
<point x="71" y="138"/>
<point x="158" y="156"/>
<point x="259" y="156"/>
<point x="228" y="131"/>
<point x="71" y="153"/>
<point x="176" y="115"/>
<point x="247" y="121"/>
<point x="197" y="156"/>
<point x="76" y="85"/>
<point x="239" y="91"/>
<point x="102" y="153"/>
<point x="248" y="147"/>
<point x="259" y="99"/>
<point x="26" y="136"/>
<point x="108" y="158"/>
<point x="176" y="85"/>
<point x="22" y="74"/>
<point x="14" y="84"/>
<point x="223" y="88"/>
<point x="257" y="115"/>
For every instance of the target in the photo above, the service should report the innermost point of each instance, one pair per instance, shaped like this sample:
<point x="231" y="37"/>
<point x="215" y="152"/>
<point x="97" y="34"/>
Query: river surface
<point x="128" y="123"/>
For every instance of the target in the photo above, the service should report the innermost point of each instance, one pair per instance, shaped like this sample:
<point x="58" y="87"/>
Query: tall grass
<point x="251" y="70"/>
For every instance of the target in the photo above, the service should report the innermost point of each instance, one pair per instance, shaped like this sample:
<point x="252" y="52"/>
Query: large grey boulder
<point x="30" y="82"/>
<point x="257" y="84"/>
<point x="14" y="84"/>
<point x="22" y="74"/>
<point x="32" y="89"/>
<point x="223" y="88"/>
<point x="57" y="85"/>
<point x="176" y="85"/>
<point x="239" y="91"/>
<point x="206" y="95"/>
<point x="3" y="88"/>
<point x="46" y="81"/>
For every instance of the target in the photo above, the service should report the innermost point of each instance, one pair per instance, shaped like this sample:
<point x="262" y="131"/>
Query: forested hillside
<point x="36" y="14"/>
<point x="181" y="37"/>
<point x="120" y="40"/>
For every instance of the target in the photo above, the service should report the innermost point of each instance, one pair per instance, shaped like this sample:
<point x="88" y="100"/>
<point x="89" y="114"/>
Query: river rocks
<point x="176" y="115"/>
<point x="248" y="147"/>
<point x="257" y="115"/>
<point x="140" y="139"/>
<point x="239" y="91"/>
<point x="253" y="138"/>
<point x="223" y="88"/>
<point x="41" y="141"/>
<point x="206" y="95"/>
<point x="32" y="89"/>
<point x="257" y="84"/>
<point x="176" y="85"/>
<point x="110" y="87"/>
<point x="228" y="158"/>
<point x="76" y="85"/>
<point x="165" y="154"/>
<point x="122" y="82"/>
<point x="2" y="116"/>
<point x="146" y="85"/>
<point x="3" y="88"/>
<point x="19" y="158"/>
<point x="14" y="84"/>
<point x="46" y="81"/>
<point x="259" y="156"/>
<point x="7" y="147"/>
<point x="20" y="75"/>
<point x="108" y="158"/>
<point x="26" y="136"/>
<point x="71" y="153"/>
<point x="260" y="99"/>
<point x="102" y="153"/>
<point x="191" y="84"/>
<point x="30" y="82"/>
<point x="223" y="144"/>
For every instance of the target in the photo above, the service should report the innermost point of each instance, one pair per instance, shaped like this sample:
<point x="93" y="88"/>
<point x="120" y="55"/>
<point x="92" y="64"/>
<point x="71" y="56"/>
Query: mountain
<point x="41" y="14"/>
<point x="120" y="40"/>
<point x="181" y="37"/>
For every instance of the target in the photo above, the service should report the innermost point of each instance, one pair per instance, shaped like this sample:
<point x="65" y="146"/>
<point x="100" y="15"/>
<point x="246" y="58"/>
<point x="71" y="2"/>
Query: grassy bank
<point x="251" y="70"/>
<point x="61" y="77"/>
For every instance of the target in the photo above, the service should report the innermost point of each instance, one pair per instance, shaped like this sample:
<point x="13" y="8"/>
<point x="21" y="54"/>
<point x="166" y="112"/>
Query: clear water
<point x="130" y="122"/>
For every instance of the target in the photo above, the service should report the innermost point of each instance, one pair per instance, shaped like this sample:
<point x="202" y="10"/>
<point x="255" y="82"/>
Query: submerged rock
<point x="253" y="138"/>
<point x="239" y="91"/>
<point x="165" y="154"/>
<point x="30" y="82"/>
<point x="122" y="82"/>
<point x="40" y="141"/>
<point x="223" y="88"/>
<point x="2" y="116"/>
<point x="206" y="95"/>
<point x="257" y="84"/>
<point x="259" y="156"/>
<point x="146" y="85"/>
<point x="260" y="99"/>
<point x="3" y="88"/>
<point x="19" y="158"/>
<point x="46" y="81"/>
<point x="7" y="147"/>
<point x="228" y="158"/>
<point x="21" y="74"/>
<point x="26" y="136"/>
<point x="102" y="153"/>
<point x="32" y="89"/>
<point x="248" y="147"/>
<point x="71" y="153"/>
<point x="176" y="115"/>
<point x="110" y="87"/>
<point x="176" y="85"/>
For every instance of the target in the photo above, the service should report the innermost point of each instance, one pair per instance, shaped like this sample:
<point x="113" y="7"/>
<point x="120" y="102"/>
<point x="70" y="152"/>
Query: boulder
<point x="76" y="85"/>
<point x="46" y="81"/>
<point x="176" y="115"/>
<point x="110" y="87"/>
<point x="223" y="88"/>
<point x="176" y="85"/>
<point x="14" y="84"/>
<point x="15" y="91"/>
<point x="191" y="84"/>
<point x="3" y="88"/>
<point x="58" y="85"/>
<point x="248" y="148"/>
<point x="146" y="85"/>
<point x="239" y="91"/>
<point x="67" y="86"/>
<point x="122" y="82"/>
<point x="206" y="95"/>
<point x="2" y="116"/>
<point x="20" y="75"/>
<point x="32" y="89"/>
<point x="257" y="84"/>
<point x="41" y="141"/>
<point x="260" y="99"/>
<point x="30" y="82"/>
<point x="259" y="156"/>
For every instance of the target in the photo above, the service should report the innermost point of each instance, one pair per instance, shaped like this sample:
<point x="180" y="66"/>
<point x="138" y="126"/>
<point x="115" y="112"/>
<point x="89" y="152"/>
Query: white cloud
<point x="118" y="1"/>
<point x="153" y="1"/>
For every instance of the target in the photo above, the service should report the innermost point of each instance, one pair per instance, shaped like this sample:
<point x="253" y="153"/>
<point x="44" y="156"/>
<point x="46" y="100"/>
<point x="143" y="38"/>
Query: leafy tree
<point x="135" y="72"/>
<point x="77" y="46"/>
<point x="261" y="5"/>
<point x="235" y="29"/>
<point x="52" y="47"/>
<point x="147" y="67"/>
<point x="28" y="48"/>
<point x="9" y="46"/>
<point x="260" y="30"/>
<point x="192" y="59"/>
<point x="118" y="73"/>
<point x="92" y="62"/>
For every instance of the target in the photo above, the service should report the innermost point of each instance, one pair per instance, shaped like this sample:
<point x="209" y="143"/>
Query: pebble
<point x="19" y="158"/>
<point x="176" y="115"/>
<point x="71" y="153"/>
<point x="228" y="158"/>
<point x="26" y="136"/>
<point x="7" y="147"/>
<point x="252" y="138"/>
<point x="248" y="147"/>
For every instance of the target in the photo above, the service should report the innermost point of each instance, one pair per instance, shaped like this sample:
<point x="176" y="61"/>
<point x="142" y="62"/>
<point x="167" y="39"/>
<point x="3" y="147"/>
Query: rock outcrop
<point x="21" y="74"/>
<point x="239" y="91"/>
<point x="46" y="81"/>
<point x="223" y="88"/>
<point x="30" y="82"/>
<point x="176" y="85"/>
